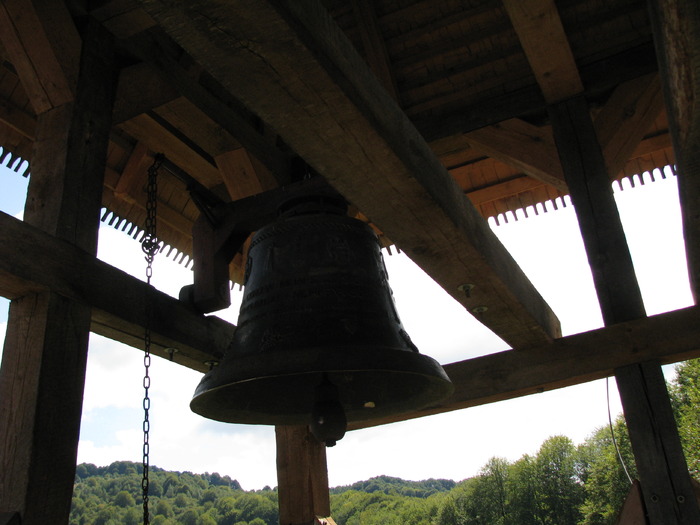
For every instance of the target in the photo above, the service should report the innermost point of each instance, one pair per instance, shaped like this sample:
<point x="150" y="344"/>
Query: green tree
<point x="558" y="486"/>
<point x="684" y="391"/>
<point x="607" y="483"/>
<point x="124" y="500"/>
<point x="189" y="517"/>
<point x="491" y="490"/>
<point x="524" y="505"/>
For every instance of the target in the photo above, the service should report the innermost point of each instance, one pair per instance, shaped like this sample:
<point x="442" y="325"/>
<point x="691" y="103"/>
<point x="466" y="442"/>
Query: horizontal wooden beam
<point x="118" y="300"/>
<point x="309" y="83"/>
<point x="666" y="338"/>
<point x="118" y="313"/>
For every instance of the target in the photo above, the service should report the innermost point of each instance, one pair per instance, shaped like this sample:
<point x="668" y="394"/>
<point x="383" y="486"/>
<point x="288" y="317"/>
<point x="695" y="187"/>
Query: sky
<point x="456" y="445"/>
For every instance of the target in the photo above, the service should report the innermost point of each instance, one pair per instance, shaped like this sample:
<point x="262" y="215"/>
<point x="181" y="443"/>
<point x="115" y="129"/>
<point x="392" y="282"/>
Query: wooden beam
<point x="134" y="174"/>
<point x="118" y="313"/>
<point x="373" y="44"/>
<point x="325" y="103"/>
<point x="140" y="89"/>
<point x="44" y="47"/>
<point x="156" y="49"/>
<point x="17" y="119"/>
<point x="598" y="77"/>
<point x="524" y="146"/>
<point x="45" y="353"/>
<point x="660" y="463"/>
<point x="148" y="130"/>
<point x="243" y="174"/>
<point x="666" y="485"/>
<point x="591" y="193"/>
<point x="626" y="118"/>
<point x="676" y="28"/>
<point x="302" y="476"/>
<point x="503" y="189"/>
<point x="117" y="299"/>
<point x="544" y="41"/>
<point x="571" y="360"/>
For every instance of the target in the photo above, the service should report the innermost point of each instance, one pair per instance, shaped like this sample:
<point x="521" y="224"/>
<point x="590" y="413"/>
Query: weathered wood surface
<point x="625" y="118"/>
<point x="526" y="147"/>
<point x="117" y="299"/>
<point x="45" y="354"/>
<point x="655" y="442"/>
<point x="667" y="338"/>
<point x="44" y="46"/>
<point x="302" y="476"/>
<point x="676" y="27"/>
<point x="546" y="46"/>
<point x="603" y="236"/>
<point x="666" y="485"/>
<point x="329" y="107"/>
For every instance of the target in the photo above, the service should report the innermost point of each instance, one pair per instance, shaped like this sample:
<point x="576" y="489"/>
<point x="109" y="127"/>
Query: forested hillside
<point x="561" y="484"/>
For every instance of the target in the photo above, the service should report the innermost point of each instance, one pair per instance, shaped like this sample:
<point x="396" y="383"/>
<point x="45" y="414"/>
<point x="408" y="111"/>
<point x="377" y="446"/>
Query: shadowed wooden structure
<point x="428" y="116"/>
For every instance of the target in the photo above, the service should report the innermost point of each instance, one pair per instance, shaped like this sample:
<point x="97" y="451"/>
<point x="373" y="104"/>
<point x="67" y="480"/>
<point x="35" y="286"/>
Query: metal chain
<point x="149" y="245"/>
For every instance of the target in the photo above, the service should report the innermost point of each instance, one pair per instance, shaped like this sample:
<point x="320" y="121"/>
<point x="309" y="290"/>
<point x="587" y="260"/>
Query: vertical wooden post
<point x="45" y="353"/>
<point x="662" y="469"/>
<point x="302" y="476"/>
<point x="676" y="28"/>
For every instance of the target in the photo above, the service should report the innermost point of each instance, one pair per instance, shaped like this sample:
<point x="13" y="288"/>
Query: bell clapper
<point x="328" y="421"/>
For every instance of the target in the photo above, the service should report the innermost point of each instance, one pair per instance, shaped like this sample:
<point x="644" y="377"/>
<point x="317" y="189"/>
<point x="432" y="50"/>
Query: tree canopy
<point x="561" y="484"/>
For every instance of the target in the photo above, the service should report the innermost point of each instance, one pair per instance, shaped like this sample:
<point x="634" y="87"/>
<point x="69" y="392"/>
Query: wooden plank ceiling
<point x="404" y="106"/>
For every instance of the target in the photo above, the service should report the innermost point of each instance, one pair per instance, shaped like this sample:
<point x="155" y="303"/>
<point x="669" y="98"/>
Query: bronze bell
<point x="318" y="341"/>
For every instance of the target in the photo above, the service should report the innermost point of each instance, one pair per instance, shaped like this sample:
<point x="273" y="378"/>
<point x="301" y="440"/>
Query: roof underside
<point x="404" y="106"/>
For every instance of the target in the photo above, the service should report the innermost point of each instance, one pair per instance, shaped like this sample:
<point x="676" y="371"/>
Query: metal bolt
<point x="680" y="498"/>
<point x="654" y="498"/>
<point x="479" y="309"/>
<point x="211" y="364"/>
<point x="466" y="288"/>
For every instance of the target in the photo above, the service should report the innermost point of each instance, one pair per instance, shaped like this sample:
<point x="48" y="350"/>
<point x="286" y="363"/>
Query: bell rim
<point x="227" y="399"/>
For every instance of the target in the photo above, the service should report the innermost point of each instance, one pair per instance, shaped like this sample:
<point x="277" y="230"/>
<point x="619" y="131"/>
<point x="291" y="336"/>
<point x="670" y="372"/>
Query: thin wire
<point x="612" y="432"/>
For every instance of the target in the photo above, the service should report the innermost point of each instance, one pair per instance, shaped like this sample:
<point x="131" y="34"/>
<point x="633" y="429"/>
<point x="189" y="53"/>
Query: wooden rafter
<point x="45" y="54"/>
<point x="546" y="46"/>
<point x="343" y="124"/>
<point x="627" y="115"/>
<point x="374" y="46"/>
<point x="118" y="313"/>
<point x="524" y="146"/>
<point x="155" y="48"/>
<point x="676" y="25"/>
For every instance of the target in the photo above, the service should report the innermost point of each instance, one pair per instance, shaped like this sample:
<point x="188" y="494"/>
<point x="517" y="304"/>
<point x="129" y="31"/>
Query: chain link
<point x="149" y="245"/>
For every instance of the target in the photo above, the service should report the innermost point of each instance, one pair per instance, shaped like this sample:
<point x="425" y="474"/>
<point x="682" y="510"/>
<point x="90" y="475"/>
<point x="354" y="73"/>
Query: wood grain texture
<point x="603" y="236"/>
<point x="667" y="338"/>
<point x="117" y="299"/>
<point x="546" y="46"/>
<point x="45" y="353"/>
<point x="665" y="482"/>
<point x="676" y="27"/>
<point x="302" y="476"/>
<point x="524" y="146"/>
<point x="45" y="47"/>
<point x="328" y="106"/>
